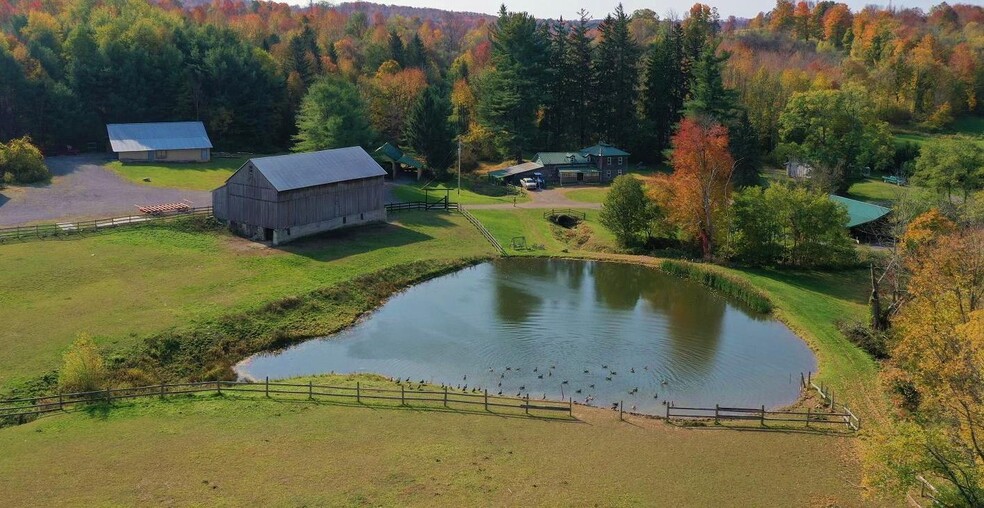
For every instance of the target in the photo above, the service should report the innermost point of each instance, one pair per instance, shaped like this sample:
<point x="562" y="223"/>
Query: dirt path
<point x="548" y="198"/>
<point x="81" y="188"/>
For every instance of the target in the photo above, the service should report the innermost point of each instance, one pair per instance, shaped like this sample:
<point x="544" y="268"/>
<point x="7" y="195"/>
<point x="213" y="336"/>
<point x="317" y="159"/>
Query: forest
<point x="257" y="73"/>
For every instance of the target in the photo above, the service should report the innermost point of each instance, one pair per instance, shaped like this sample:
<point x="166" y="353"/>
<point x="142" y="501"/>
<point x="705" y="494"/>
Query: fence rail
<point x="757" y="414"/>
<point x="481" y="229"/>
<point x="565" y="211"/>
<point x="20" y="410"/>
<point x="42" y="231"/>
<point x="422" y="205"/>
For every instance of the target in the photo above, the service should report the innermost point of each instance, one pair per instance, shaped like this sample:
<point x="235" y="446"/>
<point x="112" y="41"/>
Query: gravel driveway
<point x="554" y="197"/>
<point x="81" y="188"/>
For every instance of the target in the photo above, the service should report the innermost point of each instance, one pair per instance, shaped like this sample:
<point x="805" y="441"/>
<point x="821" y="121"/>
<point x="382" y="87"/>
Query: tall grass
<point x="729" y="286"/>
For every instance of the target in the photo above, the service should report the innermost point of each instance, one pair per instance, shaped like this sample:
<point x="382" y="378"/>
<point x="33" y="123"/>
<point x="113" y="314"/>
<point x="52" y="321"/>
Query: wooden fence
<point x="42" y="231"/>
<point x="831" y="413"/>
<point x="21" y="410"/>
<point x="485" y="232"/>
<point x="565" y="211"/>
<point x="422" y="205"/>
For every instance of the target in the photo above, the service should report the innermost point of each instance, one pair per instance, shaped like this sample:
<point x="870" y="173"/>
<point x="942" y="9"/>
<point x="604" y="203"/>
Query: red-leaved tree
<point x="696" y="194"/>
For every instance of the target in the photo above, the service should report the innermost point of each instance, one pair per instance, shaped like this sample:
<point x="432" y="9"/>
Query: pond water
<point x="614" y="332"/>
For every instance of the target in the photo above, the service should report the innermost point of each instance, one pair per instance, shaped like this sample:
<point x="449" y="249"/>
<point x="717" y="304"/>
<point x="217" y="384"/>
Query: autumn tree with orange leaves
<point x="696" y="194"/>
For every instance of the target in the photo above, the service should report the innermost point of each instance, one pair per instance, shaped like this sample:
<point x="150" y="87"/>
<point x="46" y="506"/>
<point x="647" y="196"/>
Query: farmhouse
<point x="164" y="141"/>
<point x="285" y="197"/>
<point x="600" y="163"/>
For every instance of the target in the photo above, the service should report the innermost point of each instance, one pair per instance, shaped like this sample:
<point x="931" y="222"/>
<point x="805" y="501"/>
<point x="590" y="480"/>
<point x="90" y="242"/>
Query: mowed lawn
<point x="120" y="285"/>
<point x="231" y="451"/>
<point x="588" y="194"/>
<point x="416" y="192"/>
<point x="540" y="234"/>
<point x="180" y="175"/>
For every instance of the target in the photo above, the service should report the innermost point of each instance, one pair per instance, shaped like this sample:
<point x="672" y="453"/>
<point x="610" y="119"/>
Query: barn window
<point x="160" y="154"/>
<point x="620" y="161"/>
<point x="608" y="160"/>
<point x="608" y="173"/>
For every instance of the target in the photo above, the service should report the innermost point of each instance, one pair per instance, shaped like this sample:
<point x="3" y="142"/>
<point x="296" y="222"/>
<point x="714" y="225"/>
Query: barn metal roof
<point x="140" y="137"/>
<point x="860" y="212"/>
<point x="300" y="170"/>
<point x="396" y="155"/>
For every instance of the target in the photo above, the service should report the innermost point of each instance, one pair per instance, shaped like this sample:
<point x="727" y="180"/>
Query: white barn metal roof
<point x="300" y="170"/>
<point x="141" y="137"/>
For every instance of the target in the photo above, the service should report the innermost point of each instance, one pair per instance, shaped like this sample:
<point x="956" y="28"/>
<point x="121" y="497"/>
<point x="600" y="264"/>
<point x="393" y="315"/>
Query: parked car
<point x="527" y="183"/>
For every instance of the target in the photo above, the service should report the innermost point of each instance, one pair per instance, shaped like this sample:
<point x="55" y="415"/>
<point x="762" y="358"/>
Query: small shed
<point x="798" y="169"/>
<point x="866" y="221"/>
<point x="161" y="141"/>
<point x="399" y="158"/>
<point x="513" y="174"/>
<point x="285" y="197"/>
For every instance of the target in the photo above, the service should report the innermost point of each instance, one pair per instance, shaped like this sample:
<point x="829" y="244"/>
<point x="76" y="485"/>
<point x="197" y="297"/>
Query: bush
<point x="22" y="162"/>
<point x="83" y="368"/>
<point x="875" y="343"/>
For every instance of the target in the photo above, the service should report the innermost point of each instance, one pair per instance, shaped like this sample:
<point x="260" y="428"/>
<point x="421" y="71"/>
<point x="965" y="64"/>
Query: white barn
<point x="161" y="141"/>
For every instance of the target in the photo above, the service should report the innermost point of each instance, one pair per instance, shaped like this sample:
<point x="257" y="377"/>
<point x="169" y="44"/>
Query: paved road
<point x="81" y="188"/>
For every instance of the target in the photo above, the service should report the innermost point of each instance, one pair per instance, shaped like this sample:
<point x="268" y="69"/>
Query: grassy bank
<point x="123" y="286"/>
<point x="185" y="175"/>
<point x="219" y="451"/>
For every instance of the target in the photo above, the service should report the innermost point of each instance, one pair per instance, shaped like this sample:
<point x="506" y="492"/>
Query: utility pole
<point x="459" y="165"/>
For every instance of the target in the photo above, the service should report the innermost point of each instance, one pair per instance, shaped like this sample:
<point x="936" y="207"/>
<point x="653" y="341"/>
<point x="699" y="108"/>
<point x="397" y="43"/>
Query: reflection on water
<point x="610" y="331"/>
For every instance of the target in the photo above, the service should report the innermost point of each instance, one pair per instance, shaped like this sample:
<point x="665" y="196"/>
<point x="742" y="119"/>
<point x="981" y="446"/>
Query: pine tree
<point x="512" y="88"/>
<point x="416" y="54"/>
<point x="396" y="48"/>
<point x="665" y="88"/>
<point x="617" y="65"/>
<point x="581" y="78"/>
<point x="556" y="101"/>
<point x="428" y="131"/>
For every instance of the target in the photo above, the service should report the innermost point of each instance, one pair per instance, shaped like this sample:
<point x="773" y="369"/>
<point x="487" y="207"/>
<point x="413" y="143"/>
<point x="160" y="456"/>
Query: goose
<point x="608" y="378"/>
<point x="521" y="388"/>
<point x="539" y="376"/>
<point x="590" y="386"/>
<point x="564" y="382"/>
<point x="585" y="371"/>
<point x="535" y="369"/>
<point x="632" y="370"/>
<point x="577" y="391"/>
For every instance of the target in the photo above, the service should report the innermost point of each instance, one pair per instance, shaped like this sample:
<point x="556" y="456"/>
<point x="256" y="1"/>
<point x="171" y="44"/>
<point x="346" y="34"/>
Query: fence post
<point x="570" y="406"/>
<point x="486" y="399"/>
<point x="808" y="410"/>
<point x="809" y="379"/>
<point x="310" y="390"/>
<point x="763" y="415"/>
<point x="620" y="407"/>
<point x="445" y="396"/>
<point x="403" y="395"/>
<point x="162" y="391"/>
<point x="802" y="380"/>
<point x="358" y="392"/>
<point x="717" y="407"/>
<point x="527" y="404"/>
<point x="267" y="390"/>
<point x="109" y="396"/>
<point x="218" y="387"/>
<point x="667" y="410"/>
<point x="61" y="403"/>
<point x="832" y="401"/>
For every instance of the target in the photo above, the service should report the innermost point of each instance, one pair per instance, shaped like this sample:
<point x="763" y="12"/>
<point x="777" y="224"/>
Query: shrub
<point x="83" y="368"/>
<point x="875" y="343"/>
<point x="23" y="162"/>
<point x="730" y="286"/>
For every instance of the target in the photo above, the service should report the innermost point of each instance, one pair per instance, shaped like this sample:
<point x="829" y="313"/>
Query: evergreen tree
<point x="557" y="114"/>
<point x="665" y="88"/>
<point x="416" y="54"/>
<point x="428" y="131"/>
<point x="580" y="75"/>
<point x="397" y="51"/>
<point x="512" y="88"/>
<point x="332" y="115"/>
<point x="617" y="67"/>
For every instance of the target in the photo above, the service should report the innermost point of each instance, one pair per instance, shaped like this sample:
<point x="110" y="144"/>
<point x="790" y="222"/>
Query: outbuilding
<point x="866" y="222"/>
<point x="160" y="141"/>
<point x="285" y="197"/>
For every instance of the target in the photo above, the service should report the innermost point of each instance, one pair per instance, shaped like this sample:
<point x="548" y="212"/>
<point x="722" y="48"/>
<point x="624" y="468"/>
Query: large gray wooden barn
<point x="285" y="197"/>
<point x="160" y="141"/>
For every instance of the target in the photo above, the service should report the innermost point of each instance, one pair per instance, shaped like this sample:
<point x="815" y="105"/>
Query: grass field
<point x="505" y="225"/>
<point x="875" y="190"/>
<point x="122" y="285"/>
<point x="218" y="451"/>
<point x="588" y="194"/>
<point x="190" y="175"/>
<point x="467" y="196"/>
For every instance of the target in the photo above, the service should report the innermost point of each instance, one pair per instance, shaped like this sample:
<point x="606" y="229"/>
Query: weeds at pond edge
<point x="729" y="286"/>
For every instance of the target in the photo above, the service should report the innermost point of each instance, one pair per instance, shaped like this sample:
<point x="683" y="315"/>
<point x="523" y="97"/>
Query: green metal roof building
<point x="859" y="212"/>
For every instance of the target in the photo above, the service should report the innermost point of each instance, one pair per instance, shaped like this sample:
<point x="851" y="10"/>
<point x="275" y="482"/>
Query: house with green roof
<point x="600" y="163"/>
<point x="398" y="159"/>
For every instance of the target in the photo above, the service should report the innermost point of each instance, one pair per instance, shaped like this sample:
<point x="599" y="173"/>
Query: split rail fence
<point x="41" y="231"/>
<point x="20" y="410"/>
<point x="565" y="211"/>
<point x="831" y="413"/>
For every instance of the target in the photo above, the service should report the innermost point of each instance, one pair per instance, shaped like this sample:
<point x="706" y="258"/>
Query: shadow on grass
<point x="782" y="429"/>
<point x="334" y="245"/>
<point x="437" y="217"/>
<point x="850" y="285"/>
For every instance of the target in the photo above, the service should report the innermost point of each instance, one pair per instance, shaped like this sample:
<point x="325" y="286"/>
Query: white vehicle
<point x="527" y="183"/>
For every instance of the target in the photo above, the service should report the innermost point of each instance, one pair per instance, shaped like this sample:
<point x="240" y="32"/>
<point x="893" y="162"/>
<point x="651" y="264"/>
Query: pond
<point x="563" y="328"/>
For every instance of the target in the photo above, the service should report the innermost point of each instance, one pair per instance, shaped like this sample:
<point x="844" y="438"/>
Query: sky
<point x="598" y="8"/>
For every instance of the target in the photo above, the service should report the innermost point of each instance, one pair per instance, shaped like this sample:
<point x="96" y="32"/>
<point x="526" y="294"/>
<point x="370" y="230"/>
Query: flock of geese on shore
<point x="609" y="376"/>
